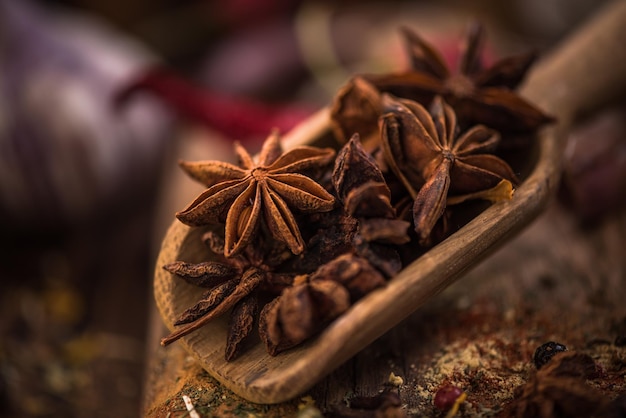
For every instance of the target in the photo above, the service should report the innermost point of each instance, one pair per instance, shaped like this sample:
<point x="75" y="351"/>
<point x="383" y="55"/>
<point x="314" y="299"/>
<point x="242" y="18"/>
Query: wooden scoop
<point x="583" y="73"/>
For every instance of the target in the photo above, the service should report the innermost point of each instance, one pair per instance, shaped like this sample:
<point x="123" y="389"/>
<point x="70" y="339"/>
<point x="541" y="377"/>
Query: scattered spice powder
<point x="478" y="365"/>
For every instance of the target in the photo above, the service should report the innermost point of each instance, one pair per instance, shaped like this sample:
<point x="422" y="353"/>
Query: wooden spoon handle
<point x="586" y="70"/>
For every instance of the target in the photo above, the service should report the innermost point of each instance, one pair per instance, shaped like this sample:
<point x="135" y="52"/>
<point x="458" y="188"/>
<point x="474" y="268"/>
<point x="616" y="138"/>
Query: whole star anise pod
<point x="560" y="389"/>
<point x="314" y="300"/>
<point x="359" y="183"/>
<point x="232" y="283"/>
<point x="363" y="191"/>
<point x="355" y="109"/>
<point x="436" y="164"/>
<point x="477" y="94"/>
<point x="272" y="185"/>
<point x="363" y="222"/>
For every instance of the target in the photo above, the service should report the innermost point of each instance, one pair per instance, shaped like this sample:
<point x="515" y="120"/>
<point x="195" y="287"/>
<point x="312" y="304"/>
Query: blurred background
<point x="99" y="99"/>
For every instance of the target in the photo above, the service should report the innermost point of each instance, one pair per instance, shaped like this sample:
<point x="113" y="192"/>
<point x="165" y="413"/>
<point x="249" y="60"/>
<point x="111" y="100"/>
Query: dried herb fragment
<point x="234" y="284"/>
<point x="271" y="185"/>
<point x="365" y="225"/>
<point x="270" y="330"/>
<point x="435" y="163"/>
<point x="332" y="237"/>
<point x="477" y="94"/>
<point x="389" y="231"/>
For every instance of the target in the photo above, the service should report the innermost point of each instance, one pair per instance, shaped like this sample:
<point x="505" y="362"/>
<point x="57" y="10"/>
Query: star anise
<point x="478" y="94"/>
<point x="360" y="184"/>
<point x="560" y="389"/>
<point x="232" y="283"/>
<point x="305" y="308"/>
<point x="273" y="185"/>
<point x="358" y="238"/>
<point x="355" y="109"/>
<point x="363" y="191"/>
<point x="346" y="237"/>
<point x="436" y="164"/>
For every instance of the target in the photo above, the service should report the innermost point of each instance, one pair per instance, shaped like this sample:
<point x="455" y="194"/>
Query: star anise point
<point x="269" y="188"/>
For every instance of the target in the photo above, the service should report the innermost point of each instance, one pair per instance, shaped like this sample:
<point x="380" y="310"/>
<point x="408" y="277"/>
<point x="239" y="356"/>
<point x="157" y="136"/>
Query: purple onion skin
<point x="66" y="154"/>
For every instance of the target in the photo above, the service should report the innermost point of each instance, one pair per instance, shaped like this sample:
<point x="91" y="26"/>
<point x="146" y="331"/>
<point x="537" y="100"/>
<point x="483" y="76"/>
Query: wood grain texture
<point x="260" y="378"/>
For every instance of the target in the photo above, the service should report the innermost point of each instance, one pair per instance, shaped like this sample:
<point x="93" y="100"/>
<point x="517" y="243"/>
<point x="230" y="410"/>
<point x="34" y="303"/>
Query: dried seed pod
<point x="479" y="94"/>
<point x="269" y="187"/>
<point x="435" y="160"/>
<point x="300" y="312"/>
<point x="356" y="108"/>
<point x="207" y="274"/>
<point x="391" y="231"/>
<point x="296" y="313"/>
<point x="560" y="389"/>
<point x="307" y="307"/>
<point x="331" y="300"/>
<point x="241" y="324"/>
<point x="209" y="301"/>
<point x="354" y="273"/>
<point x="369" y="200"/>
<point x="249" y="281"/>
<point x="270" y="329"/>
<point x="384" y="258"/>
